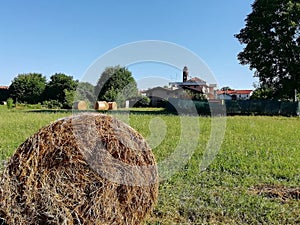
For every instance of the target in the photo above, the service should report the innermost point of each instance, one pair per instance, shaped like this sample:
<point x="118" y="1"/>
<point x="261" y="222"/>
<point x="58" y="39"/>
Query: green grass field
<point x="254" y="178"/>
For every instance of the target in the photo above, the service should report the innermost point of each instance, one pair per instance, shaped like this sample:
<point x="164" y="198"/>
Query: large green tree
<point x="28" y="88"/>
<point x="60" y="88"/>
<point x="116" y="84"/>
<point x="272" y="41"/>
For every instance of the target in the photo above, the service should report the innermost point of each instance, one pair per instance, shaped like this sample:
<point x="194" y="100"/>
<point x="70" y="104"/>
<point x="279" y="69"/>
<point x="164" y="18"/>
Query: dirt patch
<point x="279" y="192"/>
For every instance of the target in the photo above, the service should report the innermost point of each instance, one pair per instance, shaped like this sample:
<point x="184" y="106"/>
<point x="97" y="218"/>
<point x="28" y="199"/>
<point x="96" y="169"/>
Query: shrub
<point x="52" y="104"/>
<point x="10" y="103"/>
<point x="143" y="102"/>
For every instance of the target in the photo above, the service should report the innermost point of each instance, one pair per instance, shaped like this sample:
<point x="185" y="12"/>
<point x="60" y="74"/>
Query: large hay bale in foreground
<point x="85" y="169"/>
<point x="80" y="105"/>
<point x="101" y="105"/>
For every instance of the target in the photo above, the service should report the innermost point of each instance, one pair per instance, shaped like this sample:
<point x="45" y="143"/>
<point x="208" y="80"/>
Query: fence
<point x="238" y="107"/>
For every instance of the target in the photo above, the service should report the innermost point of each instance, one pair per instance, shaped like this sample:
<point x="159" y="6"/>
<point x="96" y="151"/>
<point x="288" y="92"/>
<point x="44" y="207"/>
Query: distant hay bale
<point x="112" y="105"/>
<point x="86" y="169"/>
<point x="101" y="105"/>
<point x="80" y="105"/>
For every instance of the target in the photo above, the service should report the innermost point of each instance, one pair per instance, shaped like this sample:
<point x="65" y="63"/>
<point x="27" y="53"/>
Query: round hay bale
<point x="84" y="169"/>
<point x="101" y="105"/>
<point x="80" y="105"/>
<point x="112" y="106"/>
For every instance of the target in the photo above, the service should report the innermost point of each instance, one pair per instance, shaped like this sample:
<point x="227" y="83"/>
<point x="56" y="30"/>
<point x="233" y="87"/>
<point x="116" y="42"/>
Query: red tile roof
<point x="4" y="87"/>
<point x="235" y="92"/>
<point x="196" y="79"/>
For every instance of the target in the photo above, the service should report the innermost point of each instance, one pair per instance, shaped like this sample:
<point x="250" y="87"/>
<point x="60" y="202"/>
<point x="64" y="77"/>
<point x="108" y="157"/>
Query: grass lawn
<point x="254" y="179"/>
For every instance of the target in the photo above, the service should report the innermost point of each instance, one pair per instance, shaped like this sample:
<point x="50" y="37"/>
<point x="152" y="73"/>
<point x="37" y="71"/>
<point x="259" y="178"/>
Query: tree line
<point x="115" y="84"/>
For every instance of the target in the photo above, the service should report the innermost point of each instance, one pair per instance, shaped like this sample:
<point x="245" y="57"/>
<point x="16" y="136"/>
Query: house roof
<point x="197" y="89"/>
<point x="235" y="92"/>
<point x="196" y="80"/>
<point x="4" y="87"/>
<point x="156" y="88"/>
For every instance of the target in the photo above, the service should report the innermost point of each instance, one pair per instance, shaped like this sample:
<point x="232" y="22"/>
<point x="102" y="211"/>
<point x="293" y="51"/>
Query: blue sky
<point x="68" y="36"/>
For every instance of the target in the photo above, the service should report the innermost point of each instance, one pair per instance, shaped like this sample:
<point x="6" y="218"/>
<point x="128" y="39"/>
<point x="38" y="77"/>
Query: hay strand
<point x="86" y="169"/>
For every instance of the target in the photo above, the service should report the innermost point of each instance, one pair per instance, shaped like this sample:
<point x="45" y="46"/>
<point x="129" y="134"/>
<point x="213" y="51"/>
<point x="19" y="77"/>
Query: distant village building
<point x="185" y="74"/>
<point x="159" y="95"/>
<point x="234" y="94"/>
<point x="195" y="85"/>
<point x="179" y="89"/>
<point x="4" y="93"/>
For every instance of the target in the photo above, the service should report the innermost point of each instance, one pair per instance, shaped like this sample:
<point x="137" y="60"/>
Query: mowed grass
<point x="257" y="154"/>
<point x="17" y="125"/>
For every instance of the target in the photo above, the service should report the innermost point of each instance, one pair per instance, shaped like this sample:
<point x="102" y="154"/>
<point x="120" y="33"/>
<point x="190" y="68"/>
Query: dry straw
<point x="112" y="106"/>
<point x="80" y="170"/>
<point x="80" y="105"/>
<point x="101" y="105"/>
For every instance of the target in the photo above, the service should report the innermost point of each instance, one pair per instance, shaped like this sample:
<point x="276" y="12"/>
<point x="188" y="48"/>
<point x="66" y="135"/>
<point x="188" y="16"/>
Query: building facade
<point x="234" y="94"/>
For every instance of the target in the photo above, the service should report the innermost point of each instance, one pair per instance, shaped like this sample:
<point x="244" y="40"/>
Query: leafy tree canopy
<point x="272" y="38"/>
<point x="116" y="84"/>
<point x="262" y="92"/>
<point x="60" y="86"/>
<point x="28" y="88"/>
<point x="226" y="89"/>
